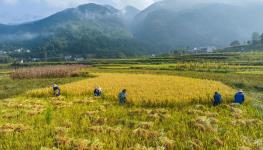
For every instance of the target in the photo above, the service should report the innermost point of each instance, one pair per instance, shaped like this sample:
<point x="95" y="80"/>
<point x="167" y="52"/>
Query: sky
<point x="19" y="11"/>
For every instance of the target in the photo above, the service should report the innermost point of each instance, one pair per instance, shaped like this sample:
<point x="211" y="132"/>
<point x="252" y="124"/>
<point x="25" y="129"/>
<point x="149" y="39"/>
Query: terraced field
<point x="164" y="112"/>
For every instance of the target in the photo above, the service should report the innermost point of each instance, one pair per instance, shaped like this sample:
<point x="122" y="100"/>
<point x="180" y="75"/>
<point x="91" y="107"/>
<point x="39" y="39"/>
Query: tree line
<point x="256" y="39"/>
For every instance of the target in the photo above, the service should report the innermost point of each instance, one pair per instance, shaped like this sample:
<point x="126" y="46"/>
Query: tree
<point x="261" y="38"/>
<point x="256" y="37"/>
<point x="235" y="43"/>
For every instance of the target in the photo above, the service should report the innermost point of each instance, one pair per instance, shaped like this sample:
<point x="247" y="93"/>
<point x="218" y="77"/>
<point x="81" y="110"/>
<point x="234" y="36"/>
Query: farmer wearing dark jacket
<point x="122" y="97"/>
<point x="217" y="99"/>
<point x="56" y="90"/>
<point x="240" y="97"/>
<point x="97" y="91"/>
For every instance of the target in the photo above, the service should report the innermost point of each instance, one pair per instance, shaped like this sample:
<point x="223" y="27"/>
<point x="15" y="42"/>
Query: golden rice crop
<point x="145" y="88"/>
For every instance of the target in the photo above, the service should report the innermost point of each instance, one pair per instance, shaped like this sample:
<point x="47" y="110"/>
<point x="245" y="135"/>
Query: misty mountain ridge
<point x="196" y="26"/>
<point x="95" y="30"/>
<point x="92" y="15"/>
<point x="83" y="14"/>
<point x="90" y="29"/>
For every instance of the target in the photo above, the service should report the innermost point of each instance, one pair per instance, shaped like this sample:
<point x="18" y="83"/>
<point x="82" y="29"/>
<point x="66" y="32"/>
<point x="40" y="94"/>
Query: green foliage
<point x="235" y="43"/>
<point x="256" y="37"/>
<point x="48" y="116"/>
<point x="5" y="59"/>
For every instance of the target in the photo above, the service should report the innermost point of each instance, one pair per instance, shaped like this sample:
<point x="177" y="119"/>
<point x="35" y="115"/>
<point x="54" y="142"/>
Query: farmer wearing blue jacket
<point x="240" y="97"/>
<point x="217" y="99"/>
<point x="122" y="97"/>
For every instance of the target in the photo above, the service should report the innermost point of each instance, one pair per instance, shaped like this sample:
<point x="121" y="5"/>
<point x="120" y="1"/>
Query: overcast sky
<point x="17" y="11"/>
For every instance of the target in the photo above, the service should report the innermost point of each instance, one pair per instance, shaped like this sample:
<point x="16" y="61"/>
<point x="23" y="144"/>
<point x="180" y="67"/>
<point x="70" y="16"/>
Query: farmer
<point x="217" y="99"/>
<point x="240" y="97"/>
<point x="97" y="91"/>
<point x="122" y="97"/>
<point x="56" y="90"/>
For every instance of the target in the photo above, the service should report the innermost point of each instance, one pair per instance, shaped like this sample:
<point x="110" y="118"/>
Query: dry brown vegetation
<point x="9" y="128"/>
<point x="48" y="72"/>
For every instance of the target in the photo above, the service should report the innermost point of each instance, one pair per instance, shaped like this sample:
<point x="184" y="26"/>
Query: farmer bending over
<point x="122" y="97"/>
<point x="97" y="91"/>
<point x="56" y="90"/>
<point x="217" y="99"/>
<point x="240" y="97"/>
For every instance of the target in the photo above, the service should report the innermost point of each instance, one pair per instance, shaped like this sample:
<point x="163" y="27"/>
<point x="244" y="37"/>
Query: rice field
<point x="251" y="72"/>
<point x="101" y="124"/>
<point x="189" y="66"/>
<point x="165" y="112"/>
<point x="145" y="88"/>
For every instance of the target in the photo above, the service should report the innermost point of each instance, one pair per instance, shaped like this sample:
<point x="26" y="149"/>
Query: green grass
<point x="190" y="66"/>
<point x="252" y="72"/>
<point x="10" y="88"/>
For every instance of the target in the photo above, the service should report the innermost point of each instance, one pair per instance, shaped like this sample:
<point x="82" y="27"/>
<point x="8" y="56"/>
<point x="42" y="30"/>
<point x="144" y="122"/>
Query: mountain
<point x="167" y="25"/>
<point x="91" y="29"/>
<point x="1" y="25"/>
<point x="84" y="14"/>
<point x="129" y="12"/>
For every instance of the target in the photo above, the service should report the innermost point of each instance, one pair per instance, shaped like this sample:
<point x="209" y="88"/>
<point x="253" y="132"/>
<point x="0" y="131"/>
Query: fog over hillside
<point x="18" y="11"/>
<point x="175" y="24"/>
